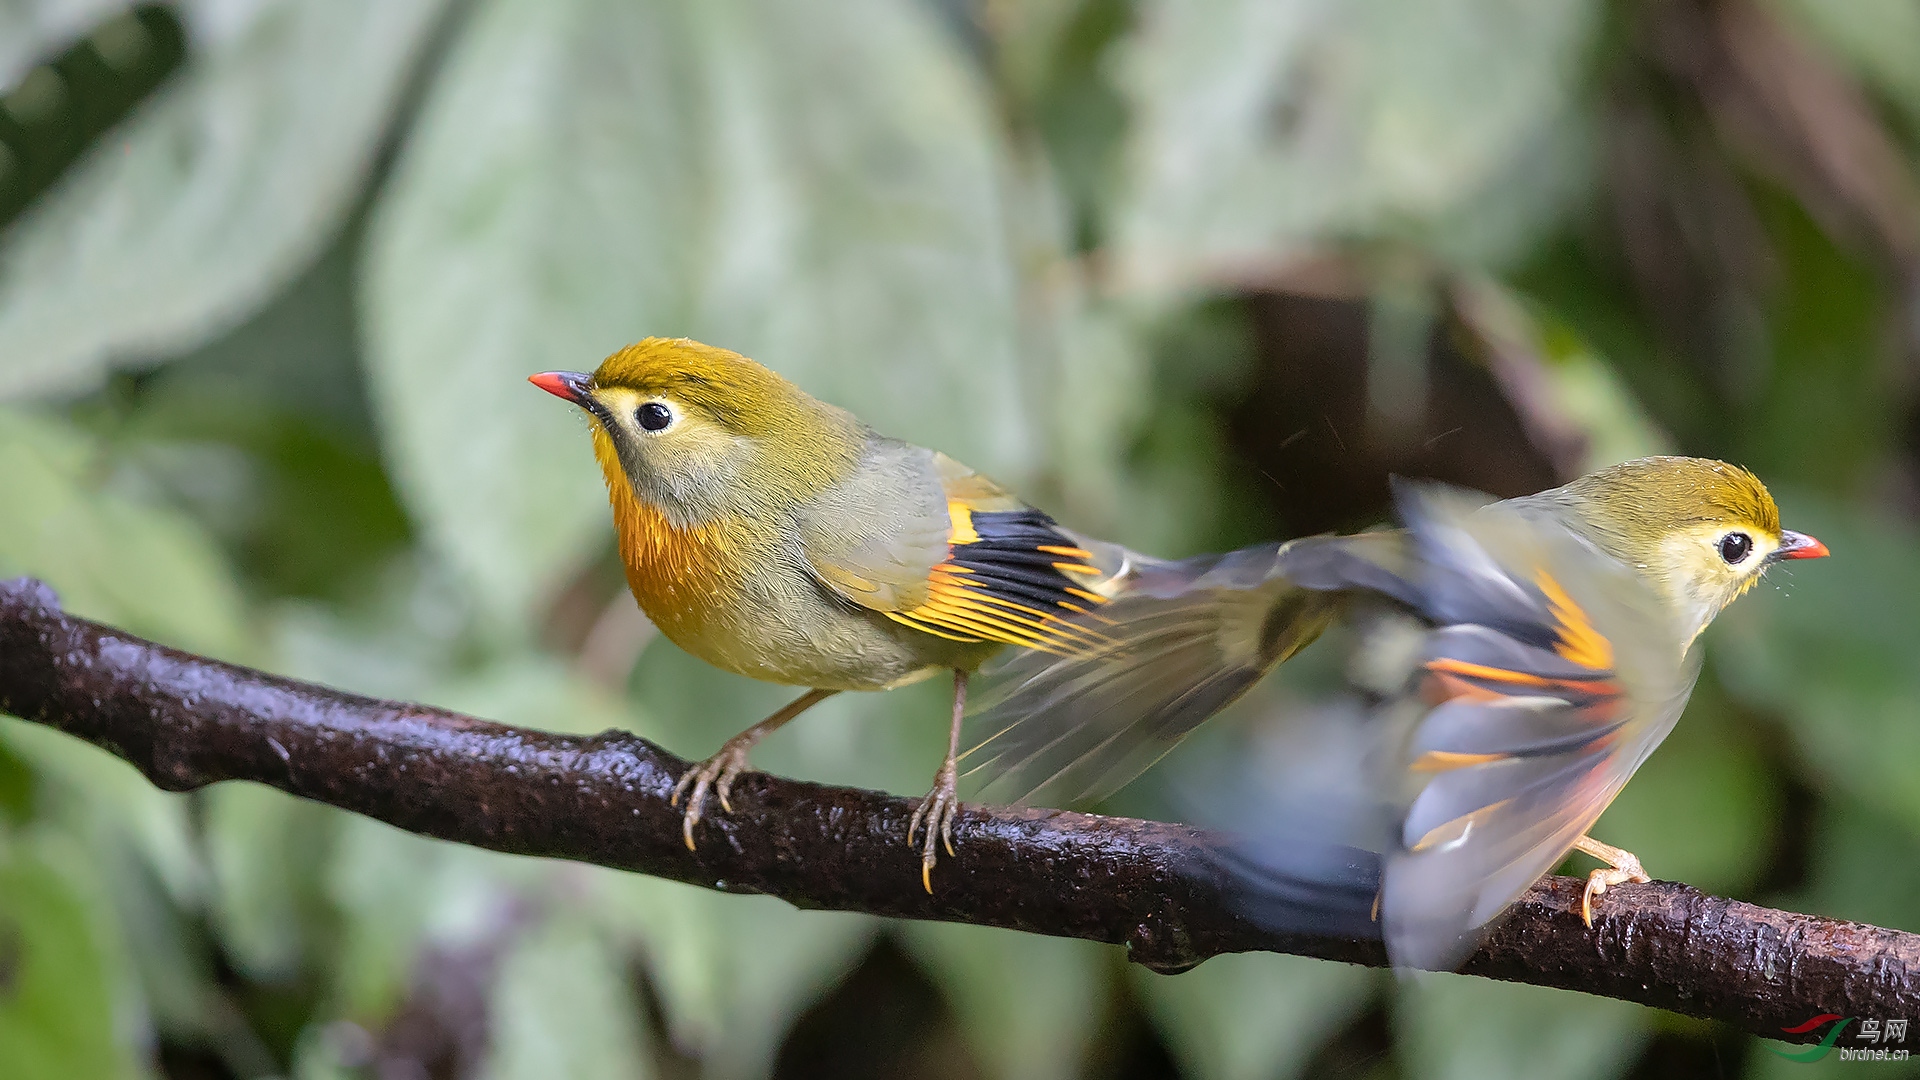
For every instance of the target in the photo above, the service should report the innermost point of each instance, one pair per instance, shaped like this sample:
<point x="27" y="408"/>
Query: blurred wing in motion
<point x="1177" y="643"/>
<point x="1545" y="674"/>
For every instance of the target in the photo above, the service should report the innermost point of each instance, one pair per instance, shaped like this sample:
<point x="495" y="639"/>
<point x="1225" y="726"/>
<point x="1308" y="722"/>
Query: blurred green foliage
<point x="1189" y="275"/>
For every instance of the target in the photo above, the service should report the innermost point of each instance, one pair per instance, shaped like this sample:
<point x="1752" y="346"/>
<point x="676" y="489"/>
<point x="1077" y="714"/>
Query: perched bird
<point x="1511" y="664"/>
<point x="779" y="537"/>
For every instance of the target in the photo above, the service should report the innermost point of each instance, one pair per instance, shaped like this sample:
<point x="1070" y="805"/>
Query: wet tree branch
<point x="186" y="721"/>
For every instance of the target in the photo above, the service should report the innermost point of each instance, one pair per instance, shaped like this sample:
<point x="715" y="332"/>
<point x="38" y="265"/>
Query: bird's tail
<point x="1300" y="820"/>
<point x="1179" y="642"/>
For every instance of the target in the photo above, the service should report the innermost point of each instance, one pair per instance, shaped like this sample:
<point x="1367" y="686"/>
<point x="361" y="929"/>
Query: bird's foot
<point x="715" y="774"/>
<point x="936" y="812"/>
<point x="1622" y="866"/>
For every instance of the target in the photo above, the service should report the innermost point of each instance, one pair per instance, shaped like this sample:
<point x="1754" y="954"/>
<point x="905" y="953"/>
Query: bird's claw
<point x="936" y="812"/>
<point x="716" y="774"/>
<point x="1627" y="868"/>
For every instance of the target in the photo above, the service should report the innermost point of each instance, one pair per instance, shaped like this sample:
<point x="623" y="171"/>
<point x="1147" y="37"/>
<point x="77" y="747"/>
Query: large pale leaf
<point x="814" y="187"/>
<point x="35" y="30"/>
<point x="213" y="195"/>
<point x="1253" y="1016"/>
<point x="1095" y="429"/>
<point x="1263" y="128"/>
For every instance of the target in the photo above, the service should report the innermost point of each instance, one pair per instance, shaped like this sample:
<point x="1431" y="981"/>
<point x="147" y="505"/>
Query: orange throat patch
<point x="680" y="576"/>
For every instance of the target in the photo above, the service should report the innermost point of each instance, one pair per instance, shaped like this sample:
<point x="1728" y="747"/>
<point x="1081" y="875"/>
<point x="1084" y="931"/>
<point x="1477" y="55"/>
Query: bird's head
<point x="1701" y="531"/>
<point x="698" y="431"/>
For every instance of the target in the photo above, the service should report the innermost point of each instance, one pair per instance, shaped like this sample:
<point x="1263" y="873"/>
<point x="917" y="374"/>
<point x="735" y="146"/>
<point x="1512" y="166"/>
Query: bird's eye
<point x="654" y="416"/>
<point x="1735" y="546"/>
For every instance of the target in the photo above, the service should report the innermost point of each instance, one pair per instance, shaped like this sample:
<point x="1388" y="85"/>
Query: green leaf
<point x="1864" y="866"/>
<point x="267" y="852"/>
<point x="95" y="794"/>
<point x="57" y="991"/>
<point x="1457" y="1027"/>
<point x="777" y="962"/>
<point x="534" y="692"/>
<point x="140" y="567"/>
<point x="815" y="188"/>
<point x="213" y="195"/>
<point x="1263" y="129"/>
<point x="733" y="971"/>
<point x="1829" y="647"/>
<point x="397" y="892"/>
<point x="1253" y="1016"/>
<point x="1878" y="39"/>
<point x="399" y="642"/>
<point x="1027" y="1004"/>
<point x="18" y="787"/>
<point x="141" y="856"/>
<point x="562" y="1010"/>
<point x="677" y="929"/>
<point x="1820" y="416"/>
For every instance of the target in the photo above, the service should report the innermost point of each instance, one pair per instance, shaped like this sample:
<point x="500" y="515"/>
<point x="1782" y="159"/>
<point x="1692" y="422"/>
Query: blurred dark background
<point x="273" y="271"/>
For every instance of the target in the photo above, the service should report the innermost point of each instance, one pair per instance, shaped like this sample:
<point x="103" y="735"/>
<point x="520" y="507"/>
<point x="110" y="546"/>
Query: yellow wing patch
<point x="1010" y="576"/>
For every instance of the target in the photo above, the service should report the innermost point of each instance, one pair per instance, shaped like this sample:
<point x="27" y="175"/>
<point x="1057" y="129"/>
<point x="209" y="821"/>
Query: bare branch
<point x="186" y="721"/>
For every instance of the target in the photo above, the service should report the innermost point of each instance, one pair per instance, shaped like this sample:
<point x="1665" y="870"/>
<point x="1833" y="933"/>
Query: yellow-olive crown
<point x="1653" y="496"/>
<point x="1702" y="532"/>
<point x="742" y="396"/>
<point x="700" y="432"/>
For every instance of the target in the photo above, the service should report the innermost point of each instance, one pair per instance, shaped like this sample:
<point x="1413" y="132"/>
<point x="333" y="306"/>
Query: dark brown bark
<point x="186" y="721"/>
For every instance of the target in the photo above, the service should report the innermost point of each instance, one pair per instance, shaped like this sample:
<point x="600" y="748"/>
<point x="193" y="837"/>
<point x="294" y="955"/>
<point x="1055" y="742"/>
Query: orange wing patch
<point x="1596" y="694"/>
<point x="1010" y="576"/>
<point x="1579" y="643"/>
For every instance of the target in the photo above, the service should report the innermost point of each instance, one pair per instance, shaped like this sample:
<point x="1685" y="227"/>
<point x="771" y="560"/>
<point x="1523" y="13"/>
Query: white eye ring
<point x="654" y="416"/>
